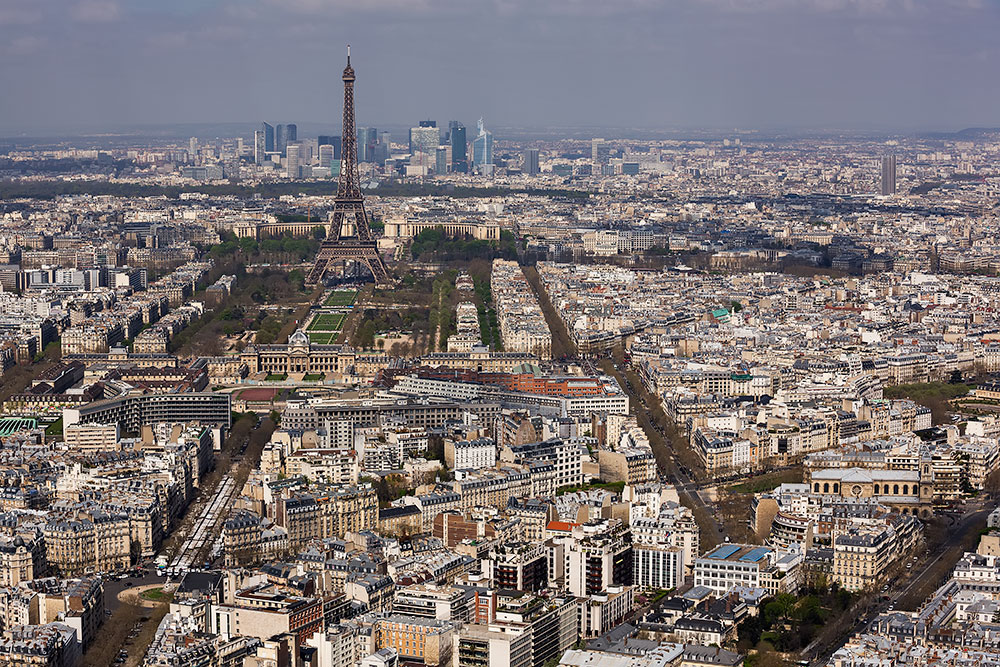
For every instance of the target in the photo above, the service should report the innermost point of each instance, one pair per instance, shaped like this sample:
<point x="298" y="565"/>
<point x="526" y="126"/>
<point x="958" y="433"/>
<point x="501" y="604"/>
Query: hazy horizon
<point x="69" y="67"/>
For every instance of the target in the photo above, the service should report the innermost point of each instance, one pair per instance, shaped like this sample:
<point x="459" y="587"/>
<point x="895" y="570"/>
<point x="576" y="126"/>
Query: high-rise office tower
<point x="258" y="147"/>
<point x="600" y="151"/>
<point x="482" y="149"/>
<point x="268" y="131"/>
<point x="441" y="160"/>
<point x="291" y="132"/>
<point x="459" y="159"/>
<point x="331" y="140"/>
<point x="326" y="156"/>
<point x="428" y="123"/>
<point x="530" y="162"/>
<point x="192" y="149"/>
<point x="424" y="139"/>
<point x="292" y="160"/>
<point x="382" y="147"/>
<point x="367" y="139"/>
<point x="888" y="175"/>
<point x="281" y="139"/>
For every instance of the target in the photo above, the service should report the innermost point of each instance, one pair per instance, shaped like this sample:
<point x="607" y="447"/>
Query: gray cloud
<point x="890" y="64"/>
<point x="96" y="11"/>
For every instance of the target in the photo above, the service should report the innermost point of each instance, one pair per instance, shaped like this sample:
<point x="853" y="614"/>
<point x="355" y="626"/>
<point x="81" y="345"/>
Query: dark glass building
<point x="459" y="159"/>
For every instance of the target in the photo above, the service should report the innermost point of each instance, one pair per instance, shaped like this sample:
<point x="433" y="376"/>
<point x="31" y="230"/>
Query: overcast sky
<point x="854" y="64"/>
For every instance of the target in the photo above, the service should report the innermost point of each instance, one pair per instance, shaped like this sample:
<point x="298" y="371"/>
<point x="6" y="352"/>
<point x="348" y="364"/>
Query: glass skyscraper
<point x="268" y="131"/>
<point x="482" y="149"/>
<point x="367" y="139"/>
<point x="280" y="139"/>
<point x="459" y="159"/>
<point x="424" y="140"/>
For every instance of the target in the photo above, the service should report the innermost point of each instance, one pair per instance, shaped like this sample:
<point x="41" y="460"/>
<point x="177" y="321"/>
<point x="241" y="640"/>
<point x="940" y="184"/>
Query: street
<point x="910" y="590"/>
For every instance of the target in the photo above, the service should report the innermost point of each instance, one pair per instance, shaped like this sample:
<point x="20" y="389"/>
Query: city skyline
<point x="889" y="65"/>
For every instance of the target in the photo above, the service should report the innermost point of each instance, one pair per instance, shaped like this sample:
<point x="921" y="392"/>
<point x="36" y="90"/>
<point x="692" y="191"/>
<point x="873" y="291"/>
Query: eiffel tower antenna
<point x="349" y="205"/>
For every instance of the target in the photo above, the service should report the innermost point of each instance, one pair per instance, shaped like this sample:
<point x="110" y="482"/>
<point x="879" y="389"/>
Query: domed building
<point x="299" y="356"/>
<point x="909" y="491"/>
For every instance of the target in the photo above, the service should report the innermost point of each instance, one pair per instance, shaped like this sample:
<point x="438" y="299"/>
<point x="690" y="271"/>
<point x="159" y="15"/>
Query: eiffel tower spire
<point x="349" y="204"/>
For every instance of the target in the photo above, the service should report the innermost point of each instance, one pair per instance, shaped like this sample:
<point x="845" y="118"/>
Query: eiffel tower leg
<point x="318" y="271"/>
<point x="379" y="271"/>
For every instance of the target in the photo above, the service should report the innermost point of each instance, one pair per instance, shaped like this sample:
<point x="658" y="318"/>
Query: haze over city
<point x="70" y="66"/>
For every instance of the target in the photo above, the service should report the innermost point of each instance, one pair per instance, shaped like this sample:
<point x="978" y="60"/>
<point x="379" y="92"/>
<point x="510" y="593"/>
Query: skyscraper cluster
<point x="273" y="139"/>
<point x="431" y="151"/>
<point x="373" y="146"/>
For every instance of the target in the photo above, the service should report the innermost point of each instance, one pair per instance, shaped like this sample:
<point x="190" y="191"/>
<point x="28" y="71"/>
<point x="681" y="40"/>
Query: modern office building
<point x="747" y="565"/>
<point x="553" y="622"/>
<point x="888" y="175"/>
<point x="424" y="140"/>
<point x="657" y="567"/>
<point x="263" y="142"/>
<point x="530" y="162"/>
<point x="284" y="135"/>
<point x="459" y="157"/>
<point x="367" y="141"/>
<point x="491" y="646"/>
<point x="292" y="160"/>
<point x="441" y="160"/>
<point x="258" y="147"/>
<point x="327" y="155"/>
<point x="382" y="147"/>
<point x="331" y="140"/>
<point x="131" y="411"/>
<point x="482" y="150"/>
<point x="268" y="131"/>
<point x="600" y="151"/>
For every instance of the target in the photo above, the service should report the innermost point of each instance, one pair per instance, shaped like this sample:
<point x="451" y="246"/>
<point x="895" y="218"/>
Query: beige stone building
<point x="87" y="543"/>
<point x="334" y="514"/>
<point x="632" y="466"/>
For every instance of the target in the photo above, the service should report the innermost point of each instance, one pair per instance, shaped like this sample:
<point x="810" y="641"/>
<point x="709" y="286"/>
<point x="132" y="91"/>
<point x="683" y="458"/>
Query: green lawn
<point x="768" y="481"/>
<point x="327" y="322"/>
<point x="157" y="595"/>
<point x="927" y="391"/>
<point x="341" y="298"/>
<point x="313" y="377"/>
<point x="611" y="486"/>
<point x="55" y="428"/>
<point x="276" y="377"/>
<point x="323" y="337"/>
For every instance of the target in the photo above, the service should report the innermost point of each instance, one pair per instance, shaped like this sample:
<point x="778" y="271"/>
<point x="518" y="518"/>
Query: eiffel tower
<point x="349" y="206"/>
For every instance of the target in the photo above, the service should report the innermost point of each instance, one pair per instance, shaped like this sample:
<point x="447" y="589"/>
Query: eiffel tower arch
<point x="349" y="206"/>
